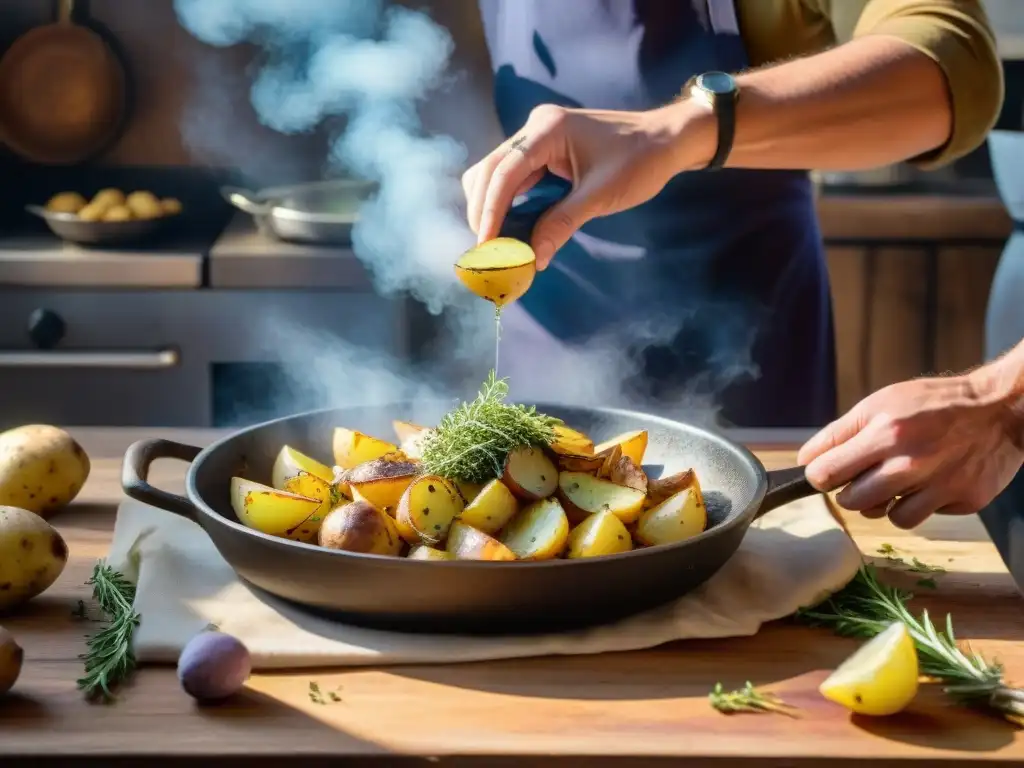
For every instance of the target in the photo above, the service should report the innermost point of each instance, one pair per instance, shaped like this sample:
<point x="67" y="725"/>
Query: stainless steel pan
<point x="320" y="213"/>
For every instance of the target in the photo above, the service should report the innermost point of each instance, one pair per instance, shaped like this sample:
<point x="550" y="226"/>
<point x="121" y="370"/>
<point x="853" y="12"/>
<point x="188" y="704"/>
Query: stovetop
<point x="215" y="246"/>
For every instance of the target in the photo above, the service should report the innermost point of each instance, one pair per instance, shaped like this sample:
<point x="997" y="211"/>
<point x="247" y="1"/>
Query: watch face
<point x="718" y="83"/>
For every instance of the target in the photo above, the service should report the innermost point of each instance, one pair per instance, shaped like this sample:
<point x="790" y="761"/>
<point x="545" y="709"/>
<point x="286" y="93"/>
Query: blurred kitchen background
<point x="165" y="333"/>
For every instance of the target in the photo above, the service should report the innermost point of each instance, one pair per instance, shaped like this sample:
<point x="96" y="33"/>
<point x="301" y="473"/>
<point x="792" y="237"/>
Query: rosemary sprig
<point x="747" y="699"/>
<point x="108" y="657"/>
<point x="472" y="442"/>
<point x="866" y="606"/>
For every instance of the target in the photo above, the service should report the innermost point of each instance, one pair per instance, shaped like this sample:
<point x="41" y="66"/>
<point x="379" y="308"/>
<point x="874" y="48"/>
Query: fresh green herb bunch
<point x="472" y="442"/>
<point x="865" y="607"/>
<point x="747" y="699"/>
<point x="108" y="658"/>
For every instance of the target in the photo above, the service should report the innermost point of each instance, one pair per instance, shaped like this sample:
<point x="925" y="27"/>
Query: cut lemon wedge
<point x="500" y="270"/>
<point x="880" y="678"/>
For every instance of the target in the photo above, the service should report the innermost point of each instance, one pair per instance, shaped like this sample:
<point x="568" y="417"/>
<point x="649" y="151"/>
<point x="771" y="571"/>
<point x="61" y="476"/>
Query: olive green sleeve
<point x="957" y="36"/>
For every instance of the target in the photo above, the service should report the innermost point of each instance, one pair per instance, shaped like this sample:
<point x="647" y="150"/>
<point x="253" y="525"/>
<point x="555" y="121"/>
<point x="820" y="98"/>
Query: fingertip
<point x="544" y="252"/>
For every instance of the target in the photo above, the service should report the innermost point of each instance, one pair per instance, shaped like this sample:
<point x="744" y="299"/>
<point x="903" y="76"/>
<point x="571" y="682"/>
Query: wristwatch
<point x="719" y="91"/>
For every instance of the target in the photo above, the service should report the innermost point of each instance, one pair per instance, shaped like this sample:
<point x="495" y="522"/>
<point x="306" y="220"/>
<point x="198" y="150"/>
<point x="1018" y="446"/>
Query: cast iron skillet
<point x="467" y="596"/>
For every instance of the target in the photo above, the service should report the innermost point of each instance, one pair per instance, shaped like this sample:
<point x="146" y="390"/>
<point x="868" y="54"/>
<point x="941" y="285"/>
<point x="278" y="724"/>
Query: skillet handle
<point x="135" y="470"/>
<point x="784" y="486"/>
<point x="245" y="200"/>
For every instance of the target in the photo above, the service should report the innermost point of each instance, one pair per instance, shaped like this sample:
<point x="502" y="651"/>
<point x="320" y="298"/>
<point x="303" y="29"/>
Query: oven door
<point x="184" y="358"/>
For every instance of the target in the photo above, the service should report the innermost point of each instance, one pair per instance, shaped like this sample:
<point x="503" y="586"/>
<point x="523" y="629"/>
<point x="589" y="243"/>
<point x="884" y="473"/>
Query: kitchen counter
<point x="637" y="709"/>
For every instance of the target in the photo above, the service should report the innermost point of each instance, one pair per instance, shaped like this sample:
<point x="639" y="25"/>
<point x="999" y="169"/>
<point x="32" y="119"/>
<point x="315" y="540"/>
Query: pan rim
<point x="742" y="519"/>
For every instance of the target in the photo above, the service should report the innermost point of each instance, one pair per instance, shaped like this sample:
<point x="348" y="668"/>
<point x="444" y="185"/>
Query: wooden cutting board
<point x="637" y="708"/>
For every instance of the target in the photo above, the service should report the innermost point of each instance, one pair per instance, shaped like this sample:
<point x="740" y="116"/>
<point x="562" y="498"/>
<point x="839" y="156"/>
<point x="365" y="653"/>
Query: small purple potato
<point x="213" y="666"/>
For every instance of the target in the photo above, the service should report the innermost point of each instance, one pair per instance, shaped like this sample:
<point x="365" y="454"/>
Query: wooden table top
<point x="636" y="708"/>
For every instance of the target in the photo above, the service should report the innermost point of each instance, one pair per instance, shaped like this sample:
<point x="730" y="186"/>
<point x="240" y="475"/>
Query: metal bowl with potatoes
<point x="110" y="218"/>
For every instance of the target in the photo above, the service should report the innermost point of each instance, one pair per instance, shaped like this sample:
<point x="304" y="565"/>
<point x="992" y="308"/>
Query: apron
<point x="1004" y="329"/>
<point x="713" y="296"/>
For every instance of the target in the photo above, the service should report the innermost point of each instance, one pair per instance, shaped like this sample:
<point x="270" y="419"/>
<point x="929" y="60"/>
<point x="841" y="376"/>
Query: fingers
<point x="557" y="225"/>
<point x="848" y="459"/>
<point x="912" y="510"/>
<point x="510" y="174"/>
<point x="894" y="477"/>
<point x="834" y="434"/>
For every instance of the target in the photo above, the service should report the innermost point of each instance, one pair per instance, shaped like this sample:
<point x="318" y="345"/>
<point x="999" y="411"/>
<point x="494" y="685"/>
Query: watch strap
<point x="724" y="107"/>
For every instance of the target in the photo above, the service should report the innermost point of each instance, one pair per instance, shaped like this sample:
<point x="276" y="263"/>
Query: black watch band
<point x="719" y="91"/>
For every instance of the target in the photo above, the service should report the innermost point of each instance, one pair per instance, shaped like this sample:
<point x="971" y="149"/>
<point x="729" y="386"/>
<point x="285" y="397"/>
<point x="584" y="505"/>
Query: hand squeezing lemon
<point x="499" y="270"/>
<point x="880" y="678"/>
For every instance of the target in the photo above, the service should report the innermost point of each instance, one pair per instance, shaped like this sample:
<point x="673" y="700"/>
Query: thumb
<point x="560" y="223"/>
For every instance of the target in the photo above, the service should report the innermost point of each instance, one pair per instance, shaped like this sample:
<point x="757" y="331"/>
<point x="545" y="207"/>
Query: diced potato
<point x="530" y="474"/>
<point x="582" y="494"/>
<point x="469" y="491"/>
<point x="539" y="532"/>
<point x="382" y="481"/>
<point x="352" y="448"/>
<point x="491" y="509"/>
<point x="405" y="430"/>
<point x="423" y="552"/>
<point x="500" y="270"/>
<point x="592" y="464"/>
<point x="274" y="512"/>
<point x="633" y="444"/>
<point x="572" y="442"/>
<point x="599" y="534"/>
<point x="311" y="486"/>
<point x="611" y="458"/>
<point x="427" y="509"/>
<point x="465" y="543"/>
<point x="660" y="489"/>
<point x="291" y="463"/>
<point x="360" y="527"/>
<point x="626" y="472"/>
<point x="681" y="516"/>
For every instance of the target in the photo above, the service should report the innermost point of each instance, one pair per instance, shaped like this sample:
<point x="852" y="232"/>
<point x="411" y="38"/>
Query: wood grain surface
<point x="636" y="708"/>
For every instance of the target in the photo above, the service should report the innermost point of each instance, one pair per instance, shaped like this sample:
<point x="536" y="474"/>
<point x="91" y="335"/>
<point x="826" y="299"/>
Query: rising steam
<point x="371" y="67"/>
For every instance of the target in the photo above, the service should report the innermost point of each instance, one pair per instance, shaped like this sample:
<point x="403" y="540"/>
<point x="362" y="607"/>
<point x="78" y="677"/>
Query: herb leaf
<point x="108" y="658"/>
<point x="747" y="699"/>
<point x="472" y="442"/>
<point x="866" y="606"/>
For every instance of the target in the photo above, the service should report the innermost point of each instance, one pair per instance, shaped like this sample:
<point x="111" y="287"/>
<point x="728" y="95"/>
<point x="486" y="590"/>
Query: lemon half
<point x="880" y="678"/>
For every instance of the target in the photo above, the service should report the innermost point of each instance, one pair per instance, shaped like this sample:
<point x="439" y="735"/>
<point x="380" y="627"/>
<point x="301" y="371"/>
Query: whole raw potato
<point x="42" y="468"/>
<point x="11" y="657"/>
<point x="32" y="556"/>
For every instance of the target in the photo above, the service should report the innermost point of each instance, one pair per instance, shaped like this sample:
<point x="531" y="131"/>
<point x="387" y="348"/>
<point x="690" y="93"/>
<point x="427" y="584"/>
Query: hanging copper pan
<point x="62" y="92"/>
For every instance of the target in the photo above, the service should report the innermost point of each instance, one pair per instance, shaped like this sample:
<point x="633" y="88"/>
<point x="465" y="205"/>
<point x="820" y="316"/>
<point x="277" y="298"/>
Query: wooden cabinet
<point x="909" y="291"/>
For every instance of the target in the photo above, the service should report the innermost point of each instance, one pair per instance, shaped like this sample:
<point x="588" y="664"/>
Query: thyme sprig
<point x="866" y="607"/>
<point x="471" y="443"/>
<point x="108" y="658"/>
<point x="747" y="699"/>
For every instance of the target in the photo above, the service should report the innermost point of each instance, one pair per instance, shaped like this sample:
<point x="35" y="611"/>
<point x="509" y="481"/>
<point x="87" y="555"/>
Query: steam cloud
<point x="372" y="66"/>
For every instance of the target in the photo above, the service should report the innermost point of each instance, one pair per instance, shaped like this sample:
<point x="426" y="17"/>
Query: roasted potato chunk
<point x="274" y="512"/>
<point x="530" y="474"/>
<point x="500" y="270"/>
<point x="681" y="516"/>
<point x="465" y="543"/>
<point x="427" y="509"/>
<point x="360" y="527"/>
<point x="423" y="552"/>
<point x="582" y="494"/>
<point x="599" y="534"/>
<point x="491" y="509"/>
<point x="382" y="481"/>
<point x="352" y="448"/>
<point x="632" y="444"/>
<point x="571" y="442"/>
<point x="539" y="532"/>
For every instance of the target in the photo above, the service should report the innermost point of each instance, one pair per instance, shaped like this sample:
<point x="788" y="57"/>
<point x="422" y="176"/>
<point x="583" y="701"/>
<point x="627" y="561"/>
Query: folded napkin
<point x="792" y="557"/>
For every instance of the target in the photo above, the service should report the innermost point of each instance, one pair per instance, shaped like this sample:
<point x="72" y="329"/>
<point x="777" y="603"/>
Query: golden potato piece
<point x="270" y="511"/>
<point x="568" y="462"/>
<point x="117" y="213"/>
<point x="530" y="474"/>
<point x="597" y="535"/>
<point x="423" y="552"/>
<point x="539" y="532"/>
<point x="360" y="527"/>
<point x="382" y="481"/>
<point x="660" y="489"/>
<point x="144" y="205"/>
<point x="170" y="206"/>
<point x="583" y="494"/>
<point x="632" y="444"/>
<point x="427" y="509"/>
<point x="352" y="448"/>
<point x="66" y="202"/>
<point x="500" y="270"/>
<point x="681" y="516"/>
<point x="291" y="463"/>
<point x="571" y="442"/>
<point x="626" y="472"/>
<point x="491" y="508"/>
<point x="93" y="211"/>
<point x="108" y="198"/>
<point x="465" y="543"/>
<point x="469" y="491"/>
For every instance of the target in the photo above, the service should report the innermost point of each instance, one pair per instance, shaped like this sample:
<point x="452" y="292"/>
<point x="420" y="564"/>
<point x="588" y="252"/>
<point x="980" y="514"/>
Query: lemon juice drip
<point x="497" y="337"/>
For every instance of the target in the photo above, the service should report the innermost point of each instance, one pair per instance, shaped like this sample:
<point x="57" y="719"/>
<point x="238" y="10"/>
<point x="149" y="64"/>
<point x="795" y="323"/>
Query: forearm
<point x="865" y="104"/>
<point x="1001" y="382"/>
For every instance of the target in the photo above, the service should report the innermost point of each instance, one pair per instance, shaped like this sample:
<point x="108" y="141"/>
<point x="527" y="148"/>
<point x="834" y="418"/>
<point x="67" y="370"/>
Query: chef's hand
<point x="941" y="445"/>
<point x="615" y="161"/>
